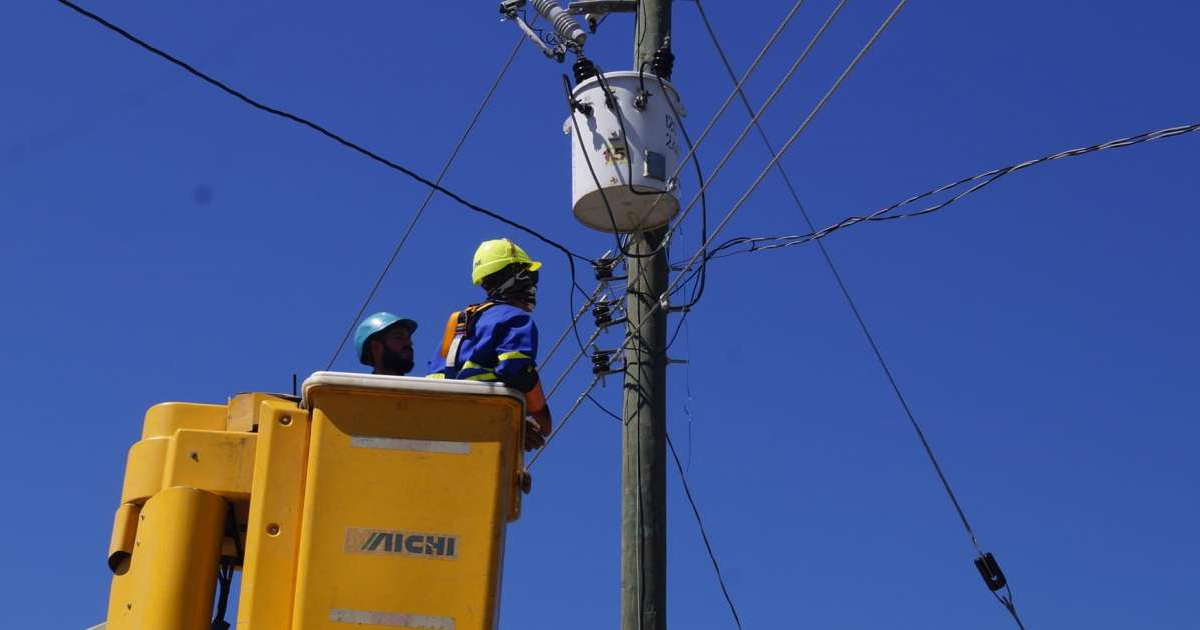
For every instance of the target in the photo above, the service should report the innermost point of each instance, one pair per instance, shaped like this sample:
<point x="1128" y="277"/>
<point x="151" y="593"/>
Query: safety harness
<point x="459" y="326"/>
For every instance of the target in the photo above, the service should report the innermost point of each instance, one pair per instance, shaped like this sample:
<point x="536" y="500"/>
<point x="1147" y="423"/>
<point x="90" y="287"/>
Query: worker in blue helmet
<point x="384" y="342"/>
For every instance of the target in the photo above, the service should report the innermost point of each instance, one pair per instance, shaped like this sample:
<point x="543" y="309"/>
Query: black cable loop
<point x="984" y="179"/>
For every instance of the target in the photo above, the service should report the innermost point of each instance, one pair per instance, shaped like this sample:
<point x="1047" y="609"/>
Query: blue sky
<point x="161" y="241"/>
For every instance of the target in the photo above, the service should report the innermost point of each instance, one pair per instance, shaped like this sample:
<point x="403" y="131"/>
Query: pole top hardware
<point x="567" y="35"/>
<point x="580" y="7"/>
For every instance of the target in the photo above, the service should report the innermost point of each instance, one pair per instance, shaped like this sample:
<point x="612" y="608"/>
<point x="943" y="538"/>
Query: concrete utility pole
<point x="644" y="456"/>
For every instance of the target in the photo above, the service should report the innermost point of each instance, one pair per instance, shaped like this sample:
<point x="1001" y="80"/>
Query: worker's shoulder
<point x="506" y="313"/>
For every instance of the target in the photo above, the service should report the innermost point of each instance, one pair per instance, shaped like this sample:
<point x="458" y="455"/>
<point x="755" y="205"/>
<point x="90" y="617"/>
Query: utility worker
<point x="384" y="342"/>
<point x="496" y="340"/>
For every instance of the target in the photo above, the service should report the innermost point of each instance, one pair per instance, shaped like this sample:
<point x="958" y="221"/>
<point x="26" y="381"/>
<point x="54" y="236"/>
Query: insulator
<point x="602" y="362"/>
<point x="604" y="267"/>
<point x="663" y="63"/>
<point x="584" y="69"/>
<point x="602" y="312"/>
<point x="567" y="27"/>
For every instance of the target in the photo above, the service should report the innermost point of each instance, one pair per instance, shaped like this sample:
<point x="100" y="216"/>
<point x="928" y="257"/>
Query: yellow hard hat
<point x="494" y="255"/>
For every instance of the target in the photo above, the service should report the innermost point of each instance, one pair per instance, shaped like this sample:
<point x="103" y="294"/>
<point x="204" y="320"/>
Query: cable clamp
<point x="989" y="569"/>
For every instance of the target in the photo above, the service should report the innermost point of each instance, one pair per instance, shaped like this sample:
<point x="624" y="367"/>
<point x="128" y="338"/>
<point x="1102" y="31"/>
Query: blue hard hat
<point x="377" y="323"/>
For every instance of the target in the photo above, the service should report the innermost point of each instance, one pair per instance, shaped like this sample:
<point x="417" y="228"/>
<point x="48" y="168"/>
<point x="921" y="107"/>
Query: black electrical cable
<point x="703" y="252"/>
<point x="687" y="490"/>
<point x="697" y="293"/>
<point x="321" y="130"/>
<point x="571" y="256"/>
<point x="612" y="103"/>
<point x="1007" y="600"/>
<point x="612" y="217"/>
<point x="712" y="556"/>
<point x="762" y="109"/>
<point x="698" y="290"/>
<point x="412" y="224"/>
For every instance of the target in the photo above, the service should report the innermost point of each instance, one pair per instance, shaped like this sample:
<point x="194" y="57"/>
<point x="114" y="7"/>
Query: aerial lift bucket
<point x="375" y="501"/>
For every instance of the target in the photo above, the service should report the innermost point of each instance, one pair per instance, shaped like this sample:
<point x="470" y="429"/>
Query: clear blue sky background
<point x="1043" y="330"/>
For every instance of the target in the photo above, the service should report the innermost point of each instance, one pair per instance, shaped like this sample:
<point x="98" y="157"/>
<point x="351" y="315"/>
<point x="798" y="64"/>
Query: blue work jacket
<point x="501" y="346"/>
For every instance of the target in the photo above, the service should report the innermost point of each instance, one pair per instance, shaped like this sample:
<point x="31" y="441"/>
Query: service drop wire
<point x="984" y="179"/>
<point x="571" y="256"/>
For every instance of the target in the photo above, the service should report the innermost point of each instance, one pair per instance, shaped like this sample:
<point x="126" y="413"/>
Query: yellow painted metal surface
<point x="221" y="462"/>
<point x="273" y="529"/>
<point x="124" y="534"/>
<point x="170" y="579"/>
<point x="405" y="507"/>
<point x="382" y="502"/>
<point x="144" y="469"/>
<point x="164" y="419"/>
<point x="243" y="410"/>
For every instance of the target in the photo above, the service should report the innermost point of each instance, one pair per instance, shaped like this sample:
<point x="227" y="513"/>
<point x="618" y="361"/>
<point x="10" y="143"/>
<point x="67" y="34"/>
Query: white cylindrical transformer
<point x="645" y="153"/>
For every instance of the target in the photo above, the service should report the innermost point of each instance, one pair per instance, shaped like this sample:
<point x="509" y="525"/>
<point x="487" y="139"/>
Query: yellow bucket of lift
<point x="410" y="485"/>
<point x="376" y="501"/>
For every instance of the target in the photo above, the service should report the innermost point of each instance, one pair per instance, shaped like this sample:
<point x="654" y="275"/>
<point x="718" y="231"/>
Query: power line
<point x="754" y="124"/>
<point x="1006" y="601"/>
<point x="571" y="256"/>
<point x="687" y="490"/>
<point x="712" y="175"/>
<point x="712" y="556"/>
<point x="737" y="90"/>
<point x="462" y="139"/>
<point x="563" y="423"/>
<point x="725" y="105"/>
<point x="791" y="140"/>
<point x="574" y="324"/>
<point x="762" y="175"/>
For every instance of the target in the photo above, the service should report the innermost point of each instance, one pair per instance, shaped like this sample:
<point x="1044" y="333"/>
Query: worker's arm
<point x="516" y="351"/>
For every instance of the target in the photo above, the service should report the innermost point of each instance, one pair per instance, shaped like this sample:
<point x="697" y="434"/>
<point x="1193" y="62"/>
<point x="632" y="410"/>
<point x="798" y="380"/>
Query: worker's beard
<point x="396" y="363"/>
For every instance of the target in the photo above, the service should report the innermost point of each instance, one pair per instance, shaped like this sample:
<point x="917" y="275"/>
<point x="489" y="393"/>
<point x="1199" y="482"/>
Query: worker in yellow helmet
<point x="496" y="340"/>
